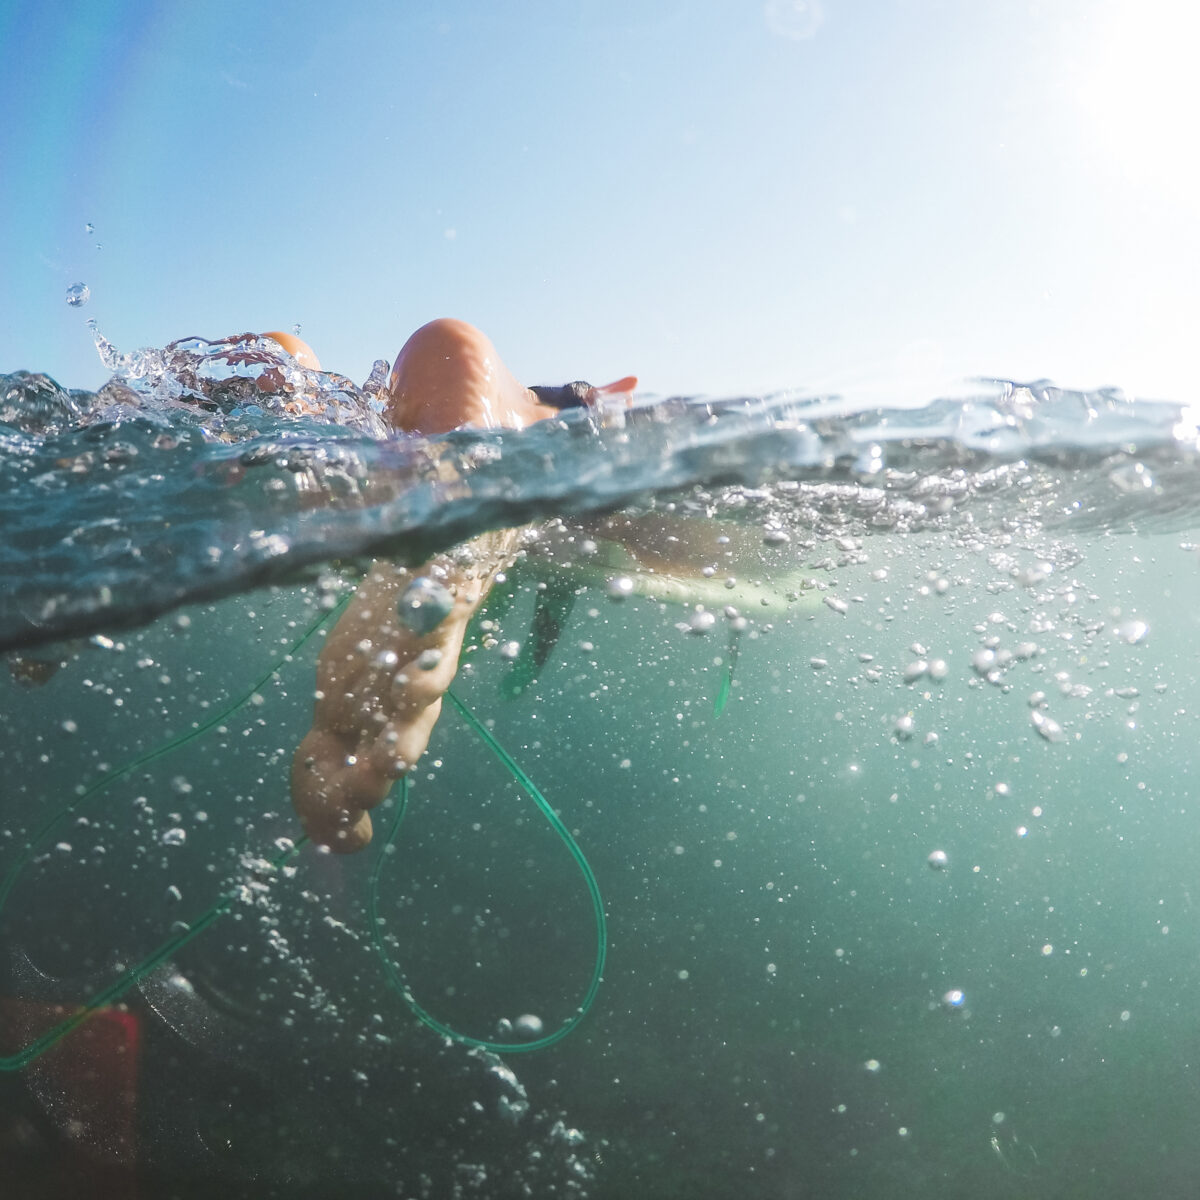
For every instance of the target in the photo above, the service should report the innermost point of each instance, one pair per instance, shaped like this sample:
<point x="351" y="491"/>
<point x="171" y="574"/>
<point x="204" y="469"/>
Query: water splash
<point x="210" y="467"/>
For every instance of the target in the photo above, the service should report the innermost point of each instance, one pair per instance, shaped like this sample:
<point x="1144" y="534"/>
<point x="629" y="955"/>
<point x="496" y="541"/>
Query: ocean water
<point x="876" y="727"/>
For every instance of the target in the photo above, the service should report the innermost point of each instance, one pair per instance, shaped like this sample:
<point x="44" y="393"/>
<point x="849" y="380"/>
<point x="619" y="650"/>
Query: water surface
<point x="967" y="627"/>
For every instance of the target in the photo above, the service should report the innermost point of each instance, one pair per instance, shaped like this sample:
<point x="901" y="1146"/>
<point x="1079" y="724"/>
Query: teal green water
<point x="772" y="1021"/>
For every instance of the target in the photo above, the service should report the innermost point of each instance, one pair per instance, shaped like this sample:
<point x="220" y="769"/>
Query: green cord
<point x="726" y="685"/>
<point x="122" y="984"/>
<point x="115" y="990"/>
<point x="393" y="972"/>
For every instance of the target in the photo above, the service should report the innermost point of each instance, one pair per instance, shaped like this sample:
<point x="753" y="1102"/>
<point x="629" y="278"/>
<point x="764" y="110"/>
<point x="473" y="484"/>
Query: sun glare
<point x="1140" y="90"/>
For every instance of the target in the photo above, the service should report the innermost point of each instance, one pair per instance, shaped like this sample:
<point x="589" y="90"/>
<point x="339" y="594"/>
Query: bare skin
<point x="379" y="692"/>
<point x="379" y="683"/>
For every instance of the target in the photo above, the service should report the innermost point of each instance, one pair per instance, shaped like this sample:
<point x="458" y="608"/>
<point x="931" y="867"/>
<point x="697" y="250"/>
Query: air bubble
<point x="1132" y="632"/>
<point x="424" y="605"/>
<point x="528" y="1026"/>
<point x="983" y="661"/>
<point x="1046" y="726"/>
<point x="938" y="860"/>
<point x="619" y="587"/>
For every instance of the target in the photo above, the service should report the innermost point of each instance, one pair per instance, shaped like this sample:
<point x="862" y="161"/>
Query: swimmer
<point x="380" y="683"/>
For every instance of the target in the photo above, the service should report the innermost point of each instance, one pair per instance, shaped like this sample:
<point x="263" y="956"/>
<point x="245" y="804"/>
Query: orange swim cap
<point x="301" y="351"/>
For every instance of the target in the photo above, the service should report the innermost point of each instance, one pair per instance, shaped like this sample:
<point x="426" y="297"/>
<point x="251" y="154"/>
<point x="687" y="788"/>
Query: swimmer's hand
<point x="379" y="692"/>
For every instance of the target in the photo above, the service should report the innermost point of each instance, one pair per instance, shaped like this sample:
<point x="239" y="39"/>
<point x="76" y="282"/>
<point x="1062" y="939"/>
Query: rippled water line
<point x="120" y="505"/>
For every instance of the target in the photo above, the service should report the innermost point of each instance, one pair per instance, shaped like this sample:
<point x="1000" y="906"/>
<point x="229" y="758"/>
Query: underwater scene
<point x="811" y="813"/>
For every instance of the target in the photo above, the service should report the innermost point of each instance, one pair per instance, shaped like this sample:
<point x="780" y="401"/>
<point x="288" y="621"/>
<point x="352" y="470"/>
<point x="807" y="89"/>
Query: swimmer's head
<point x="301" y="351"/>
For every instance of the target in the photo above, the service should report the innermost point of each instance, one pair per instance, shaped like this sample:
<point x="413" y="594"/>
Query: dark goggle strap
<point x="569" y="395"/>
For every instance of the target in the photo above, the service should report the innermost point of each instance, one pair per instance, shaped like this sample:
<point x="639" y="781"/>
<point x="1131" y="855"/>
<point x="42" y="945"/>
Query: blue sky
<point x="876" y="197"/>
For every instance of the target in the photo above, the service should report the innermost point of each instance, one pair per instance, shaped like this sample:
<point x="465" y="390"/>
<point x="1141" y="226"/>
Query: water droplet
<point x="78" y="295"/>
<point x="378" y="378"/>
<point x="938" y="860"/>
<point x="424" y="605"/>
<point x="296" y="329"/>
<point x="89" y="227"/>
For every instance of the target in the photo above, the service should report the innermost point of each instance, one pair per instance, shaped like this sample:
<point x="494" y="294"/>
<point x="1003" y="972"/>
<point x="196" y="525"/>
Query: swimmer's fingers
<point x="623" y="387"/>
<point x="331" y="789"/>
<point x="397" y="748"/>
<point x="344" y="832"/>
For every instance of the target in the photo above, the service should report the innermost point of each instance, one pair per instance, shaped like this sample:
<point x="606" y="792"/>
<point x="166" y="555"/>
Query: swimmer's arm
<point x="379" y="693"/>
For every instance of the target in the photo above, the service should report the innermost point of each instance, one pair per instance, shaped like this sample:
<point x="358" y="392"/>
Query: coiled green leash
<point x="130" y="977"/>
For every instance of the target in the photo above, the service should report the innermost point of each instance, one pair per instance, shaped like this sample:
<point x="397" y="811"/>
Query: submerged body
<point x="380" y="683"/>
